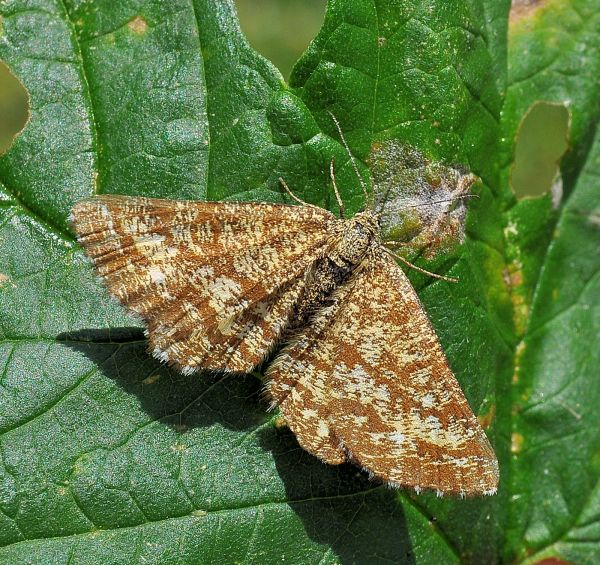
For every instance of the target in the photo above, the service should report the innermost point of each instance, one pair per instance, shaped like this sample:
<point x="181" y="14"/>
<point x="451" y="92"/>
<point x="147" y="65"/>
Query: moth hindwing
<point x="363" y="377"/>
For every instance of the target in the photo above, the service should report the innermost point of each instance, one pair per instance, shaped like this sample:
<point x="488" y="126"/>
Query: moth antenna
<point x="470" y="179"/>
<point x="392" y="243"/>
<point x="335" y="189"/>
<point x="287" y="189"/>
<point x="352" y="159"/>
<point x="409" y="264"/>
<point x="459" y="197"/>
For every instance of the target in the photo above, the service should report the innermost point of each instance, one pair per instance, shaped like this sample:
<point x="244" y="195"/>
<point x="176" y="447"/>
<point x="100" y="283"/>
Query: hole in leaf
<point x="14" y="107"/>
<point x="542" y="140"/>
<point x="267" y="25"/>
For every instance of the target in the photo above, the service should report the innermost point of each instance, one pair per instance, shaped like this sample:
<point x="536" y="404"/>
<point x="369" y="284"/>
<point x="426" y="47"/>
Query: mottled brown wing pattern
<point x="367" y="381"/>
<point x="216" y="282"/>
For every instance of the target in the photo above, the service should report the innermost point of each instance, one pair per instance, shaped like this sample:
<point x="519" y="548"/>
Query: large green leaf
<point x="109" y="457"/>
<point x="553" y="261"/>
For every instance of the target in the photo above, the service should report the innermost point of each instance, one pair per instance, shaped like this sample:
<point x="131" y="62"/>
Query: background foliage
<point x="107" y="456"/>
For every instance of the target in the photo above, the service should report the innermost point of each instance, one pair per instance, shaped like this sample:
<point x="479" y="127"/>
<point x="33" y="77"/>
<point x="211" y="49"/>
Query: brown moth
<point x="362" y="377"/>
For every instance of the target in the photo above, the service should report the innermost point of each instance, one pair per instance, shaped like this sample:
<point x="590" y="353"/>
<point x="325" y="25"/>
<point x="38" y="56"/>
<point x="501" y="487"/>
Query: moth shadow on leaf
<point x="360" y="520"/>
<point x="179" y="401"/>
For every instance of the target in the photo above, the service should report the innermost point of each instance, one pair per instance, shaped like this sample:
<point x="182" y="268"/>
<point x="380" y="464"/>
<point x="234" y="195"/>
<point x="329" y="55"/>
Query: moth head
<point x="367" y="221"/>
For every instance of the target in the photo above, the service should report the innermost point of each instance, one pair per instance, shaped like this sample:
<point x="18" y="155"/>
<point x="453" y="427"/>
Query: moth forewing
<point x="216" y="282"/>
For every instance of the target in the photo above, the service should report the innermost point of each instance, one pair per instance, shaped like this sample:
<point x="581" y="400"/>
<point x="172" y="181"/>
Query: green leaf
<point x="553" y="266"/>
<point x="558" y="421"/>
<point x="106" y="456"/>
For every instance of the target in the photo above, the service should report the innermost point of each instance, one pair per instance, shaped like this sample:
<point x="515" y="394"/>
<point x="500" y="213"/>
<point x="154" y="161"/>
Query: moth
<point x="359" y="376"/>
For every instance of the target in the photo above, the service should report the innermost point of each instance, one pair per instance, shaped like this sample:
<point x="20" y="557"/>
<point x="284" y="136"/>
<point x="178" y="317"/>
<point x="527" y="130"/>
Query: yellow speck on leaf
<point x="516" y="443"/>
<point x="518" y="354"/>
<point x="280" y="422"/>
<point x="151" y="379"/>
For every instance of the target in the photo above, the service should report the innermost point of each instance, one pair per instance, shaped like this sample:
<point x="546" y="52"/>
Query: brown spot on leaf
<point x="5" y="279"/>
<point x="280" y="423"/>
<point x="514" y="277"/>
<point x="485" y="420"/>
<point x="524" y="8"/>
<point x="138" y="25"/>
<point x="552" y="561"/>
<point x="520" y="349"/>
<point x="506" y="276"/>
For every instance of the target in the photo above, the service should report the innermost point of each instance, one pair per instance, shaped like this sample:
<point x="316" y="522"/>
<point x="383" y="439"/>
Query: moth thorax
<point x="357" y="237"/>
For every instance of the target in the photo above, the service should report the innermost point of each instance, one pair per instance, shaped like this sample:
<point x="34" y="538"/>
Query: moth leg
<point x="425" y="272"/>
<point x="294" y="197"/>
